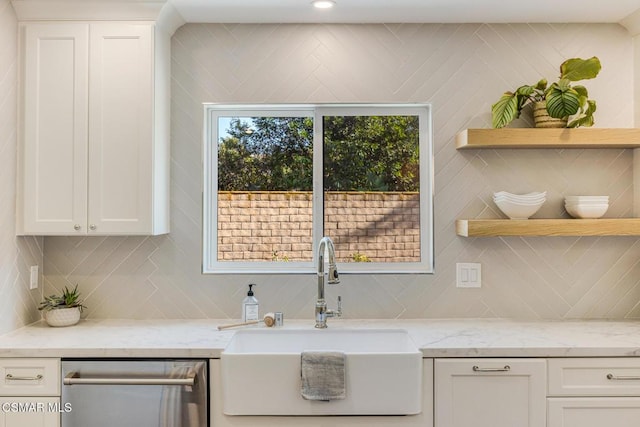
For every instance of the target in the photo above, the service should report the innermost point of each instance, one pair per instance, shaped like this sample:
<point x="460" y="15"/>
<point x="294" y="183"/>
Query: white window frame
<point x="210" y="263"/>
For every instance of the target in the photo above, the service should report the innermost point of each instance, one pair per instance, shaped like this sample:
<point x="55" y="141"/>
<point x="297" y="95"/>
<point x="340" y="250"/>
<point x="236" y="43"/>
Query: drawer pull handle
<point x="36" y="378"/>
<point x="622" y="378"/>
<point x="506" y="368"/>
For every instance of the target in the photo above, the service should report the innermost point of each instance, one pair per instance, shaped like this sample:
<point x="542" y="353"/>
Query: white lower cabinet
<point x="594" y="392"/>
<point x="490" y="392"/>
<point x="30" y="393"/>
<point x="594" y="412"/>
<point x="29" y="412"/>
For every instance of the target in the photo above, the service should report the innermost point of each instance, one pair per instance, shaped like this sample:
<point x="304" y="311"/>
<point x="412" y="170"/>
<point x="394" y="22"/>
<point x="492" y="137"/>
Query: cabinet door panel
<point x="30" y="412"/>
<point x="496" y="393"/>
<point x="594" y="412"/>
<point x="120" y="128"/>
<point x="54" y="157"/>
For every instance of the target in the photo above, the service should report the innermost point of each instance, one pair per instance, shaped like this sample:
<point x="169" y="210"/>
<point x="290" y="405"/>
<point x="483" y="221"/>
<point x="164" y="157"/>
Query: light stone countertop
<point x="436" y="338"/>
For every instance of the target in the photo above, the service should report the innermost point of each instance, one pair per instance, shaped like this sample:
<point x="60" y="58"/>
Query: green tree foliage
<point x="267" y="153"/>
<point x="361" y="153"/>
<point x="371" y="153"/>
<point x="237" y="166"/>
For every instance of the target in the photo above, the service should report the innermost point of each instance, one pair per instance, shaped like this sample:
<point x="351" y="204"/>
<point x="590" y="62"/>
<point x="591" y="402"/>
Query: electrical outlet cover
<point x="468" y="275"/>
<point x="33" y="277"/>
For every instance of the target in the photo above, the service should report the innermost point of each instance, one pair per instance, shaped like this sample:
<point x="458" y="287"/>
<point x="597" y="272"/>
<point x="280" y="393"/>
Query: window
<point x="279" y="177"/>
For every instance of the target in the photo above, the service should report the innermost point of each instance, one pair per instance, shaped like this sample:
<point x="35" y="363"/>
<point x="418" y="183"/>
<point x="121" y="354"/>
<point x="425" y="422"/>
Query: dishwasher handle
<point x="74" y="378"/>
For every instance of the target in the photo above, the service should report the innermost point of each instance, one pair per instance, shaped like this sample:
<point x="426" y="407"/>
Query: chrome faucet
<point x="322" y="312"/>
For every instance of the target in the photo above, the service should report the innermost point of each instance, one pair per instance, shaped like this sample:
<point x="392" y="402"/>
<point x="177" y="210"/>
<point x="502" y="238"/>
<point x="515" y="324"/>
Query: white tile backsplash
<point x="18" y="304"/>
<point x="461" y="70"/>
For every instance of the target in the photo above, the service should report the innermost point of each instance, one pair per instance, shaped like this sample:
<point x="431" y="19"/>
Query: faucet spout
<point x="322" y="312"/>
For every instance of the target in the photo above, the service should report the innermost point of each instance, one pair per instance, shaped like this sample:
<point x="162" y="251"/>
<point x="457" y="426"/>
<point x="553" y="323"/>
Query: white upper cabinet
<point x="93" y="157"/>
<point x="53" y="151"/>
<point x="120" y="128"/>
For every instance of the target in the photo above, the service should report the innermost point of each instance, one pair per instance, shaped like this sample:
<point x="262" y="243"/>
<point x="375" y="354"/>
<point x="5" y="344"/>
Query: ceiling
<point x="389" y="11"/>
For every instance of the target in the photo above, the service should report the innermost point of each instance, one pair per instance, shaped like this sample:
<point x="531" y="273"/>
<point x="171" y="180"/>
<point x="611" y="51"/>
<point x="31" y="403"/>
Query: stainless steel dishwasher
<point x="134" y="393"/>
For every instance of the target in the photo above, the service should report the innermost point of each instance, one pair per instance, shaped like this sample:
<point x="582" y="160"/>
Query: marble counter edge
<point x="124" y="353"/>
<point x="436" y="338"/>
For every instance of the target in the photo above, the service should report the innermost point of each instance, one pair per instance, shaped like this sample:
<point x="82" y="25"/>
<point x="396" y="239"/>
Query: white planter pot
<point x="62" y="316"/>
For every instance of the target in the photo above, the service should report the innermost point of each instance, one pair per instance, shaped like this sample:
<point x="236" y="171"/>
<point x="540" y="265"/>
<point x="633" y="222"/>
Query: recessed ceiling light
<point x="323" y="4"/>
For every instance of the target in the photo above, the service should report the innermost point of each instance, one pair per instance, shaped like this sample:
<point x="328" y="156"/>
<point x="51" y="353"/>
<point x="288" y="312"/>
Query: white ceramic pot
<point x="62" y="316"/>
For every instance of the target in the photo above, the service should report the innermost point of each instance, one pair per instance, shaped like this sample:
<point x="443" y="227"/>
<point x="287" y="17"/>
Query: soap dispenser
<point x="250" y="306"/>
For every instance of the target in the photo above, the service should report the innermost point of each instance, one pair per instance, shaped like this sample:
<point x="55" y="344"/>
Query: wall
<point x="18" y="305"/>
<point x="270" y="225"/>
<point x="461" y="70"/>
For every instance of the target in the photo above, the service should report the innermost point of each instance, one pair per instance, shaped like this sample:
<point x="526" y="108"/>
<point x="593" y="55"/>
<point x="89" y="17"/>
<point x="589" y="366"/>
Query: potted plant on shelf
<point x="62" y="310"/>
<point x="560" y="99"/>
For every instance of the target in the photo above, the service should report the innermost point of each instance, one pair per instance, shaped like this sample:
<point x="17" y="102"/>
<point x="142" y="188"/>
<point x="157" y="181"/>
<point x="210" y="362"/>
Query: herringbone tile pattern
<point x="461" y="70"/>
<point x="18" y="305"/>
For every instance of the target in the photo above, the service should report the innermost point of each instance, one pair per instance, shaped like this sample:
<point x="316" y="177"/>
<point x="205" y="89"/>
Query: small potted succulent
<point x="560" y="100"/>
<point x="62" y="310"/>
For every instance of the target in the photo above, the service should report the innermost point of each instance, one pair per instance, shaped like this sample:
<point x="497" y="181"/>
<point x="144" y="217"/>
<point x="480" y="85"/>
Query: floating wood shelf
<point x="548" y="227"/>
<point x="548" y="138"/>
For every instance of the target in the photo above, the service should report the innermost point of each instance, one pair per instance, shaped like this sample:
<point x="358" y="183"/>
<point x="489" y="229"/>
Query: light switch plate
<point x="33" y="277"/>
<point x="468" y="275"/>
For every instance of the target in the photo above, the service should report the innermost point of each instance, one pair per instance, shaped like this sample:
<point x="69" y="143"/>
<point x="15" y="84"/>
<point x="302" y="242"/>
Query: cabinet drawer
<point x="30" y="377"/>
<point x="594" y="377"/>
<point x="593" y="412"/>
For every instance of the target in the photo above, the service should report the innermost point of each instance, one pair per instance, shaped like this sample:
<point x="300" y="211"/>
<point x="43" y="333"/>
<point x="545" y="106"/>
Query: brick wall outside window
<point x="274" y="225"/>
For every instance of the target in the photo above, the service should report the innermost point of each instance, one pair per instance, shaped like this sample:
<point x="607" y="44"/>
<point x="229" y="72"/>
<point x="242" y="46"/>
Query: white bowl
<point x="586" y="211"/>
<point x="532" y="194"/>
<point x="587" y="199"/>
<point x="587" y="205"/>
<point x="519" y="202"/>
<point x="525" y="197"/>
<point x="518" y="210"/>
<point x="522" y="197"/>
